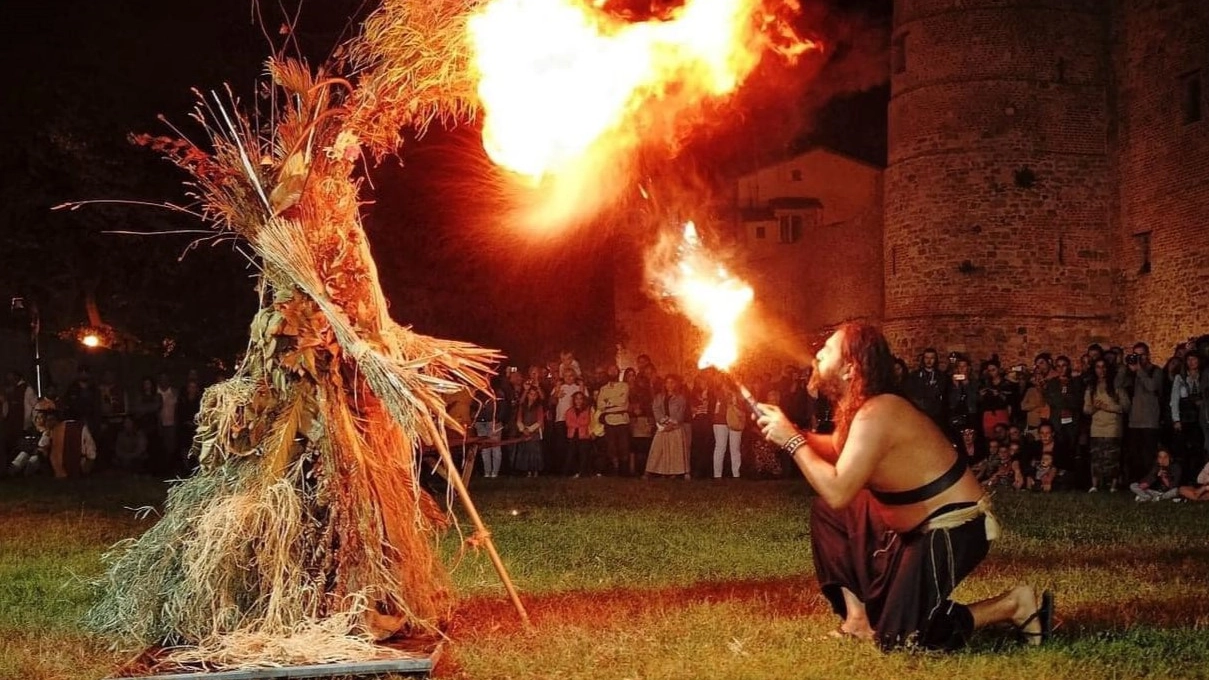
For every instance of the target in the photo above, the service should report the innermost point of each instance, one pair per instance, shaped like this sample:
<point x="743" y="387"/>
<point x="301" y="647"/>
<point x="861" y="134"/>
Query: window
<point x="791" y="228"/>
<point x="1143" y="243"/>
<point x="898" y="54"/>
<point x="759" y="232"/>
<point x="795" y="175"/>
<point x="1192" y="97"/>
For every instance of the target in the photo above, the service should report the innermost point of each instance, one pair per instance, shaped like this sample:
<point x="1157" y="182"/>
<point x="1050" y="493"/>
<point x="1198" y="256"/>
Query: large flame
<point x="569" y="92"/>
<point x="710" y="296"/>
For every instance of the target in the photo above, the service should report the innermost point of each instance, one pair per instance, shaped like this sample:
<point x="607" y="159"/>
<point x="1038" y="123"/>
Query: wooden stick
<point x="480" y="528"/>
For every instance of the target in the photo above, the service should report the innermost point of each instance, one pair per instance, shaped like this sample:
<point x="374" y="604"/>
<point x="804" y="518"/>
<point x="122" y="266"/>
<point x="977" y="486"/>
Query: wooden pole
<point x="455" y="478"/>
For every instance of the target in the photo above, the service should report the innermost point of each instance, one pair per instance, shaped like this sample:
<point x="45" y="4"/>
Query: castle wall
<point x="998" y="189"/>
<point x="1162" y="164"/>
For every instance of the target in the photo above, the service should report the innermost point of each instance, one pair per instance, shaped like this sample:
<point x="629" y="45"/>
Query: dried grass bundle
<point x="415" y="68"/>
<point x="305" y="536"/>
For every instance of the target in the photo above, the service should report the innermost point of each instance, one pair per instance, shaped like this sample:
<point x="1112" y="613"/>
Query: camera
<point x="1132" y="359"/>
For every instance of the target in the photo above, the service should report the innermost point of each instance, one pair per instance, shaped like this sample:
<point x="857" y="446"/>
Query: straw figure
<point x="304" y="537"/>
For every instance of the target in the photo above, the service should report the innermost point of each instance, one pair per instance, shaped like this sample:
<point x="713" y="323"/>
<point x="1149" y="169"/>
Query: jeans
<point x="1153" y="494"/>
<point x="491" y="454"/>
<point x="724" y="436"/>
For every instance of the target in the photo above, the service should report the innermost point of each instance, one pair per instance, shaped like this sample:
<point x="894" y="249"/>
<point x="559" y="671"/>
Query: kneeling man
<point x="900" y="520"/>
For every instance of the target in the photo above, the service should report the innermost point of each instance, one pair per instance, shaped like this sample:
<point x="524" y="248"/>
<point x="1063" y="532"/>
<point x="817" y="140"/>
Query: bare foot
<point x="853" y="628"/>
<point x="1027" y="605"/>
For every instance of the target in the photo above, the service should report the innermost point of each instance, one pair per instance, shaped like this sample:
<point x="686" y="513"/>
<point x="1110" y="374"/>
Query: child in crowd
<point x="1044" y="474"/>
<point x="1161" y="483"/>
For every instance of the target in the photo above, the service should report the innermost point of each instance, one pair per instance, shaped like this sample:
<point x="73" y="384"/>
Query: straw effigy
<point x="304" y="536"/>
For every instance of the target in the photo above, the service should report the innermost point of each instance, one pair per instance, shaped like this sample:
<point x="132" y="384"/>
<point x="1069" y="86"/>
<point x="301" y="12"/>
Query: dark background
<point x="85" y="73"/>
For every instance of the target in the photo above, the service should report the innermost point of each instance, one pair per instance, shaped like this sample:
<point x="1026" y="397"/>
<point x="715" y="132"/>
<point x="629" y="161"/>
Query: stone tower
<point x="1160" y="147"/>
<point x="998" y="190"/>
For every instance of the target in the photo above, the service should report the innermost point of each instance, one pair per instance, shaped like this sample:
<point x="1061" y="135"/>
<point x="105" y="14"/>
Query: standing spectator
<point x="736" y="422"/>
<point x="167" y="418"/>
<point x="21" y="400"/>
<point x="487" y="425"/>
<point x="83" y="400"/>
<point x="1171" y="370"/>
<point x="561" y="398"/>
<point x="1064" y="396"/>
<point x="1106" y="407"/>
<point x="514" y="391"/>
<point x="578" y="419"/>
<point x="703" y="401"/>
<point x="926" y="388"/>
<point x="963" y="398"/>
<point x="901" y="373"/>
<point x="796" y="401"/>
<point x="1036" y="411"/>
<point x="646" y="368"/>
<point x="530" y="420"/>
<point x="642" y="420"/>
<point x="1186" y="405"/>
<point x="996" y="396"/>
<point x="145" y="407"/>
<point x="670" y="448"/>
<point x="187" y="409"/>
<point x="613" y="409"/>
<point x="1161" y="483"/>
<point x="112" y="413"/>
<point x="1141" y="382"/>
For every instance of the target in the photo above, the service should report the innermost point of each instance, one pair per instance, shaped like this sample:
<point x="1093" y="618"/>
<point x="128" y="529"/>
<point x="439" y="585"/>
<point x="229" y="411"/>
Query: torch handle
<point x="751" y="401"/>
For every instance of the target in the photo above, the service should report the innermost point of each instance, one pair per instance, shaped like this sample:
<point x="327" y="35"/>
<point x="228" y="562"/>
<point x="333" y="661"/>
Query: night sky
<point x="85" y="73"/>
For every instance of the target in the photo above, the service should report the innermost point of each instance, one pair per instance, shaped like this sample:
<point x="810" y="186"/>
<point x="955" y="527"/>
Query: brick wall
<point x="1163" y="167"/>
<point x="998" y="189"/>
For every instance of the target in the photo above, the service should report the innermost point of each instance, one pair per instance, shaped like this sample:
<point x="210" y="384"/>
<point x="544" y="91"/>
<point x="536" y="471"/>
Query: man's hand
<point x="775" y="426"/>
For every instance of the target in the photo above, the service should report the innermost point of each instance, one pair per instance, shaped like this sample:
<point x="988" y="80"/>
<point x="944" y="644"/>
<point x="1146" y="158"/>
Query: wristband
<point x="793" y="443"/>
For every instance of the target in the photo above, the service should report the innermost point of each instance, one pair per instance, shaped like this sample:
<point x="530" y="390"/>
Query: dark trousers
<point x="1188" y="447"/>
<point x="555" y="456"/>
<point x="579" y="456"/>
<point x="701" y="459"/>
<point x="617" y="445"/>
<point x="1141" y="446"/>
<point x="904" y="579"/>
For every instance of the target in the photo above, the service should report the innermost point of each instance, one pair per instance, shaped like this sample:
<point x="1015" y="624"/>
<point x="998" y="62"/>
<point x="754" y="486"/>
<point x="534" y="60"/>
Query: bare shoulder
<point x="884" y="407"/>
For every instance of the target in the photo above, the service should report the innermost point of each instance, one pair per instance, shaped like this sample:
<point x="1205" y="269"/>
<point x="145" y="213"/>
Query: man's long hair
<point x="863" y="346"/>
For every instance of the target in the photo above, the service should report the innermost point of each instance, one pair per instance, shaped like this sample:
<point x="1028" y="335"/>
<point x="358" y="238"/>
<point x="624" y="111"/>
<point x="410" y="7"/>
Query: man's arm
<point x="823" y="445"/>
<point x="837" y="483"/>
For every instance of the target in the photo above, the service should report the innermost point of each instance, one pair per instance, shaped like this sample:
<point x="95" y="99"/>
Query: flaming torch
<point x="709" y="295"/>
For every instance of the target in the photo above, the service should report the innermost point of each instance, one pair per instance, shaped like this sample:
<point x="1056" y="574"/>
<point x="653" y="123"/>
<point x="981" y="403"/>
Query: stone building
<point x="1047" y="181"/>
<point x="1046" y="186"/>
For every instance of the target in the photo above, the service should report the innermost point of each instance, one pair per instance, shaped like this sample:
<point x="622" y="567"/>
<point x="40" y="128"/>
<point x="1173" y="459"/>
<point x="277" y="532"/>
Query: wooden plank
<point x="418" y="664"/>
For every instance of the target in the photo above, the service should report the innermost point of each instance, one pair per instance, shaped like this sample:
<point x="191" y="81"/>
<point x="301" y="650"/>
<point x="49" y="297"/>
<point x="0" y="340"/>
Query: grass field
<point x="670" y="579"/>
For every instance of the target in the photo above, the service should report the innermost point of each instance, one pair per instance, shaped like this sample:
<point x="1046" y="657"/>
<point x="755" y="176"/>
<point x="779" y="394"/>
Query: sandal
<point x="1045" y="614"/>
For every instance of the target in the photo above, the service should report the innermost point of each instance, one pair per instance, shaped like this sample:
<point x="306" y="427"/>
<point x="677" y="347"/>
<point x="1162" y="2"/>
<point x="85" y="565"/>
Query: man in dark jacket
<point x="927" y="388"/>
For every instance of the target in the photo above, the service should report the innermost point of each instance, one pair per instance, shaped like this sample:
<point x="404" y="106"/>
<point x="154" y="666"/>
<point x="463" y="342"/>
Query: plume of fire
<point x="570" y="92"/>
<point x="684" y="271"/>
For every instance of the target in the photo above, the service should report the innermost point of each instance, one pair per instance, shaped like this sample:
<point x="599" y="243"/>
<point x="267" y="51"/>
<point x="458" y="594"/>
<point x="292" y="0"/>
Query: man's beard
<point x="830" y="387"/>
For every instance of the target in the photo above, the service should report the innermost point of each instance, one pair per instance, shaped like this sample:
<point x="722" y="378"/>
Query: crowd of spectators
<point x="1109" y="420"/>
<point x="148" y="428"/>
